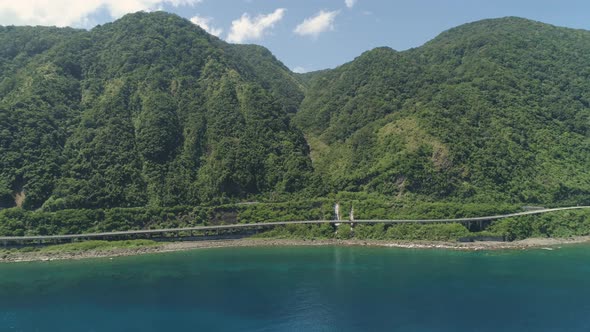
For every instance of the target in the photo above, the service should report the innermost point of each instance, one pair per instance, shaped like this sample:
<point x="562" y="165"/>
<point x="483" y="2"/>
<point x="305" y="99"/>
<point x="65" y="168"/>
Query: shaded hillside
<point x="150" y="110"/>
<point x="270" y="73"/>
<point x="492" y="110"/>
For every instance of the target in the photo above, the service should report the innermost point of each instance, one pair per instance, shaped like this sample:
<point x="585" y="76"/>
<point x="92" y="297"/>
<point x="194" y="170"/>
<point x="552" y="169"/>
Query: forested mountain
<point x="148" y="110"/>
<point x="496" y="110"/>
<point x="152" y="111"/>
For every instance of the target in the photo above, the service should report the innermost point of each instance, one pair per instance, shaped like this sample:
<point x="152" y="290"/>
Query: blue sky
<point x="336" y="31"/>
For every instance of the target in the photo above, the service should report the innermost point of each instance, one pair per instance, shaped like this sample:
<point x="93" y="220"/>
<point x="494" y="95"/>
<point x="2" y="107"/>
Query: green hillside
<point x="496" y="110"/>
<point x="152" y="111"/>
<point x="148" y="110"/>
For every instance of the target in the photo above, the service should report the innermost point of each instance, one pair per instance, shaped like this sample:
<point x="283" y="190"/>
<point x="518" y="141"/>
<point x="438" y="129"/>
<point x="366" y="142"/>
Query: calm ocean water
<point x="303" y="289"/>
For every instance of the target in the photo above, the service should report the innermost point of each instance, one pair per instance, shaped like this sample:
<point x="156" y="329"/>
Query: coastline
<point x="33" y="256"/>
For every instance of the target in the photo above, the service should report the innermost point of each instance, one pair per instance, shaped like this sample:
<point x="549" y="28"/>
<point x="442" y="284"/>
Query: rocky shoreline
<point x="545" y="243"/>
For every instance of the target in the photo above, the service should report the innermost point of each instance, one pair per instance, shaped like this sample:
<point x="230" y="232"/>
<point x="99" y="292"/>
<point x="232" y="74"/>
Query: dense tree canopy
<point x="152" y="111"/>
<point x="148" y="110"/>
<point x="496" y="110"/>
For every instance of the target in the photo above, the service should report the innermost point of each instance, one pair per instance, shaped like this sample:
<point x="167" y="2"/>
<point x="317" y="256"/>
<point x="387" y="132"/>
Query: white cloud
<point x="204" y="22"/>
<point x="74" y="12"/>
<point x="349" y="3"/>
<point x="247" y="28"/>
<point x="313" y="26"/>
<point x="300" y="70"/>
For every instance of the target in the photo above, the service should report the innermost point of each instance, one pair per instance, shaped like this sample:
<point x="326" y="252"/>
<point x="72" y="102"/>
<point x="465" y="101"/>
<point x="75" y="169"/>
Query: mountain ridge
<point x="148" y="108"/>
<point x="152" y="110"/>
<point x="450" y="97"/>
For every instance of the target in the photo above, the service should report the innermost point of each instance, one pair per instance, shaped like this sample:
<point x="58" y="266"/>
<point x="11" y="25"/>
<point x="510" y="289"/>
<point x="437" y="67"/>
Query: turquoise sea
<point x="303" y="289"/>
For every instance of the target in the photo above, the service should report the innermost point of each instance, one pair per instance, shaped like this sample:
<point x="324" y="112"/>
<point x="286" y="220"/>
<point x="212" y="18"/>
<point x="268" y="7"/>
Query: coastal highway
<point x="5" y="240"/>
